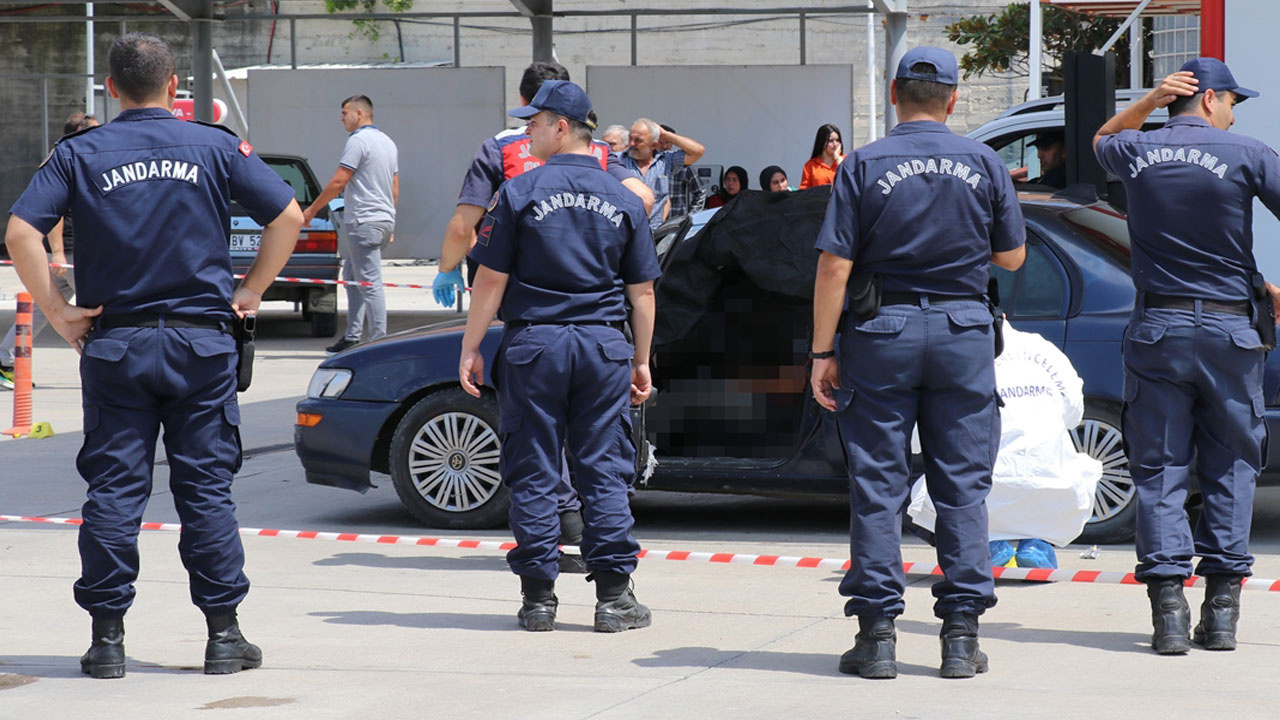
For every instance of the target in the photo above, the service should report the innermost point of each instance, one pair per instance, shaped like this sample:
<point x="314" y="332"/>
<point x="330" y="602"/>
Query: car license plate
<point x="245" y="242"/>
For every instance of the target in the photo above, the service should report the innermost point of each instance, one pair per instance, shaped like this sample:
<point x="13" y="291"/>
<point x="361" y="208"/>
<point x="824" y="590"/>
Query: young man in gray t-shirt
<point x="369" y="170"/>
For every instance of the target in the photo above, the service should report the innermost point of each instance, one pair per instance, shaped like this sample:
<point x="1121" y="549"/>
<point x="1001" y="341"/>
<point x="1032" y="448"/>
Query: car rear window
<point x="293" y="173"/>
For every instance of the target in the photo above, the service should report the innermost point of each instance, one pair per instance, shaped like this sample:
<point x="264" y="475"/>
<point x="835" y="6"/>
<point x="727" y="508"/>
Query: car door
<point x="1036" y="297"/>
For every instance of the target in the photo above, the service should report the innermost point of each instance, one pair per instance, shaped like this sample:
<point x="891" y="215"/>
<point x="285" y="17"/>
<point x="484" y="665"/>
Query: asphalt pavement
<point x="374" y="630"/>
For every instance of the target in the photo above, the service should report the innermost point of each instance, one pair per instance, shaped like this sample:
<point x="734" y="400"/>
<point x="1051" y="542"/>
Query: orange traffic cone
<point x="22" y="368"/>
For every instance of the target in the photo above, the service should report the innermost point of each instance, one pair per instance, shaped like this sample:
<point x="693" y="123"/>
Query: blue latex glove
<point x="443" y="287"/>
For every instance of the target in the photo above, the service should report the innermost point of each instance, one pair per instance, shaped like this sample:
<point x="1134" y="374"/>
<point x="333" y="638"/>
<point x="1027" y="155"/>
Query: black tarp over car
<point x="766" y="236"/>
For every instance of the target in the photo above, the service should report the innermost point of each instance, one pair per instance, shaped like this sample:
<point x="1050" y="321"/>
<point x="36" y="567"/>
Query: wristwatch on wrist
<point x="825" y="354"/>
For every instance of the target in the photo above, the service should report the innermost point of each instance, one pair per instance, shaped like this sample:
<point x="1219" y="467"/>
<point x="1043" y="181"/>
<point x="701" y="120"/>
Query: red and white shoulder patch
<point x="245" y="148"/>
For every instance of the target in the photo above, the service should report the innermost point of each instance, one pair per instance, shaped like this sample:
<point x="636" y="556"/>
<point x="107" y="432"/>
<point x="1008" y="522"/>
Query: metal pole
<point x="293" y="44"/>
<point x="457" y="41"/>
<point x="1035" y="52"/>
<point x="871" y="75"/>
<point x="802" y="34"/>
<point x="633" y="39"/>
<point x="542" y="40"/>
<point x="895" y="46"/>
<point x="1137" y="52"/>
<point x="231" y="94"/>
<point x="202" y="67"/>
<point x="44" y="110"/>
<point x="88" y="59"/>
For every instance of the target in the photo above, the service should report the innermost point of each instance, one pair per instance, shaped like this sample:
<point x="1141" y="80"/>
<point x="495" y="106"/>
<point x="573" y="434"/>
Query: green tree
<point x="366" y="26"/>
<point x="998" y="42"/>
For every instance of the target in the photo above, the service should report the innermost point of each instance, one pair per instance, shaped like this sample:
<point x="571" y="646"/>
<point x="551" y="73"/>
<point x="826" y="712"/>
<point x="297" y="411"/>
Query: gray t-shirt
<point x="374" y="159"/>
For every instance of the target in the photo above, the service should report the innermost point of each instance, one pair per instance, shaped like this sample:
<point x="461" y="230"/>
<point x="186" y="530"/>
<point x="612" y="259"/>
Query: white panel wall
<point x="1251" y="55"/>
<point x="436" y="116"/>
<point x="753" y="116"/>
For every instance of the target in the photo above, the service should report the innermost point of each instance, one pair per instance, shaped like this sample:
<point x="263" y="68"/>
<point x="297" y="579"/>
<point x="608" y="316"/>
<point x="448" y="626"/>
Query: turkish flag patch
<point x="245" y="148"/>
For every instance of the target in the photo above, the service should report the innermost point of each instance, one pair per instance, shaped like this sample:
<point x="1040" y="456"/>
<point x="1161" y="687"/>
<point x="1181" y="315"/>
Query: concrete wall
<point x="1249" y="38"/>
<point x="436" y="116"/>
<point x="753" y="116"/>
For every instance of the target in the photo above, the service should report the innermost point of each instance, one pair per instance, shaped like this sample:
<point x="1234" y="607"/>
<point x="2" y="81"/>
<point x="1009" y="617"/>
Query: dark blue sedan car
<point x="732" y="411"/>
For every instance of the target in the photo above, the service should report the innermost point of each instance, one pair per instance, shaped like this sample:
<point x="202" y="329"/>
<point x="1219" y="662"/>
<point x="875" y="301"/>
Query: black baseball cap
<point x="1214" y="75"/>
<point x="560" y="97"/>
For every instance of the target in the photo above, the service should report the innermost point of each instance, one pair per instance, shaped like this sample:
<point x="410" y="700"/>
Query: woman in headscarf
<point x="732" y="182"/>
<point x="774" y="178"/>
<point x="828" y="152"/>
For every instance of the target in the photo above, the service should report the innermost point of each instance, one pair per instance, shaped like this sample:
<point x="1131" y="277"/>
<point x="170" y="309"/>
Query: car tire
<point x="323" y="324"/>
<point x="444" y="461"/>
<point x="1115" y="505"/>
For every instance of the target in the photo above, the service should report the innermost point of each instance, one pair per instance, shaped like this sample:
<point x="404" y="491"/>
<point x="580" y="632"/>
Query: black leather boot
<point x="874" y="653"/>
<point x="961" y="657"/>
<point x="538" y="611"/>
<point x="105" y="657"/>
<point x="571" y="534"/>
<point x="616" y="606"/>
<point x="227" y="651"/>
<point x="1170" y="616"/>
<point x="1219" y="613"/>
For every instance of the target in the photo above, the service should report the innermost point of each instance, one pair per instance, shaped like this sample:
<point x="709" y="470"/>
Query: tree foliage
<point x="366" y="26"/>
<point x="998" y="42"/>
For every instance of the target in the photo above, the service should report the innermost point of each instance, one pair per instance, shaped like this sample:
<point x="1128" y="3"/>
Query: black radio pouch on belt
<point x="246" y="328"/>
<point x="997" y="315"/>
<point x="865" y="290"/>
<point x="1265" y="312"/>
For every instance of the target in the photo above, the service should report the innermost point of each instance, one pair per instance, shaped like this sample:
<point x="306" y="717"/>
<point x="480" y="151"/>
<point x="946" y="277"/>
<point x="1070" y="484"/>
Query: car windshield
<point x="1105" y="225"/>
<point x="292" y="172"/>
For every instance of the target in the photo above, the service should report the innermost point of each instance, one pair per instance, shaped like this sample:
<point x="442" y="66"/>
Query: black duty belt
<point x="615" y="324"/>
<point x="150" y="320"/>
<point x="1173" y="302"/>
<point x="911" y="298"/>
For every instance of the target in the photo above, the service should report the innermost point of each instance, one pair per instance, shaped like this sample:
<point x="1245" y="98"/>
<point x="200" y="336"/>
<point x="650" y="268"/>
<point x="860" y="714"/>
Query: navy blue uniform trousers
<point x="931" y="366"/>
<point x="135" y="382"/>
<point x="567" y="387"/>
<point x="1193" y="389"/>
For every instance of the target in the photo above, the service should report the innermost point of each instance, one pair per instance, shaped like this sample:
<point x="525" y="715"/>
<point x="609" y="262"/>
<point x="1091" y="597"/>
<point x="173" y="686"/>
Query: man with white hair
<point x="656" y="167"/>
<point x="616" y="137"/>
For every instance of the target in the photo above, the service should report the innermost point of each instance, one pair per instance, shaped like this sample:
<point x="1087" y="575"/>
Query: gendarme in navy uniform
<point x="564" y="246"/>
<point x="1192" y="354"/>
<point x="149" y="197"/>
<point x="924" y="212"/>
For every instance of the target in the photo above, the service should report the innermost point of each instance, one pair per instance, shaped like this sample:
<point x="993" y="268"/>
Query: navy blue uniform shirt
<point x="924" y="208"/>
<point x="149" y="197"/>
<point x="1191" y="188"/>
<point x="570" y="236"/>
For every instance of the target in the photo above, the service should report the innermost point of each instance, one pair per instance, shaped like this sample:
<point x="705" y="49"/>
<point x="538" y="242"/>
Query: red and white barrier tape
<point x="305" y="281"/>
<point x="1094" y="577"/>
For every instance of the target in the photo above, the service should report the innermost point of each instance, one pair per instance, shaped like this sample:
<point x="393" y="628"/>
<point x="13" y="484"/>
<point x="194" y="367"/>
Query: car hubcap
<point x="1103" y="442"/>
<point x="453" y="461"/>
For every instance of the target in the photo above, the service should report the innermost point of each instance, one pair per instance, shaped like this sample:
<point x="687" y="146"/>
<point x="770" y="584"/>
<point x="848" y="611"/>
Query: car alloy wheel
<point x="444" y="461"/>
<point x="1114" y="509"/>
<point x="453" y="460"/>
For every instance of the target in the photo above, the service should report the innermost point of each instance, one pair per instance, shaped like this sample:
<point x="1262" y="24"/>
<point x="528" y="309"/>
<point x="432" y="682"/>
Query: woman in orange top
<point x="827" y="154"/>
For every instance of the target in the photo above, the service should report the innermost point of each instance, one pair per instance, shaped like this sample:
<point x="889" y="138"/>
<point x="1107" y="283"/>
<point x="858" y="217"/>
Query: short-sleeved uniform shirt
<point x="924" y="208"/>
<point x="1190" y="188"/>
<point x="570" y="236"/>
<point x="149" y="196"/>
<point x="506" y="155"/>
<point x="660" y="177"/>
<point x="375" y="161"/>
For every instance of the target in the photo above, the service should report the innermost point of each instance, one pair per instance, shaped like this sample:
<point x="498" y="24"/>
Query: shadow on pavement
<point x="487" y="563"/>
<point x="817" y="664"/>
<point x="505" y="622"/>
<point x="1106" y="640"/>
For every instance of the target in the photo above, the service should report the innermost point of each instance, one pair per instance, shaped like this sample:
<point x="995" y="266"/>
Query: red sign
<point x="185" y="109"/>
